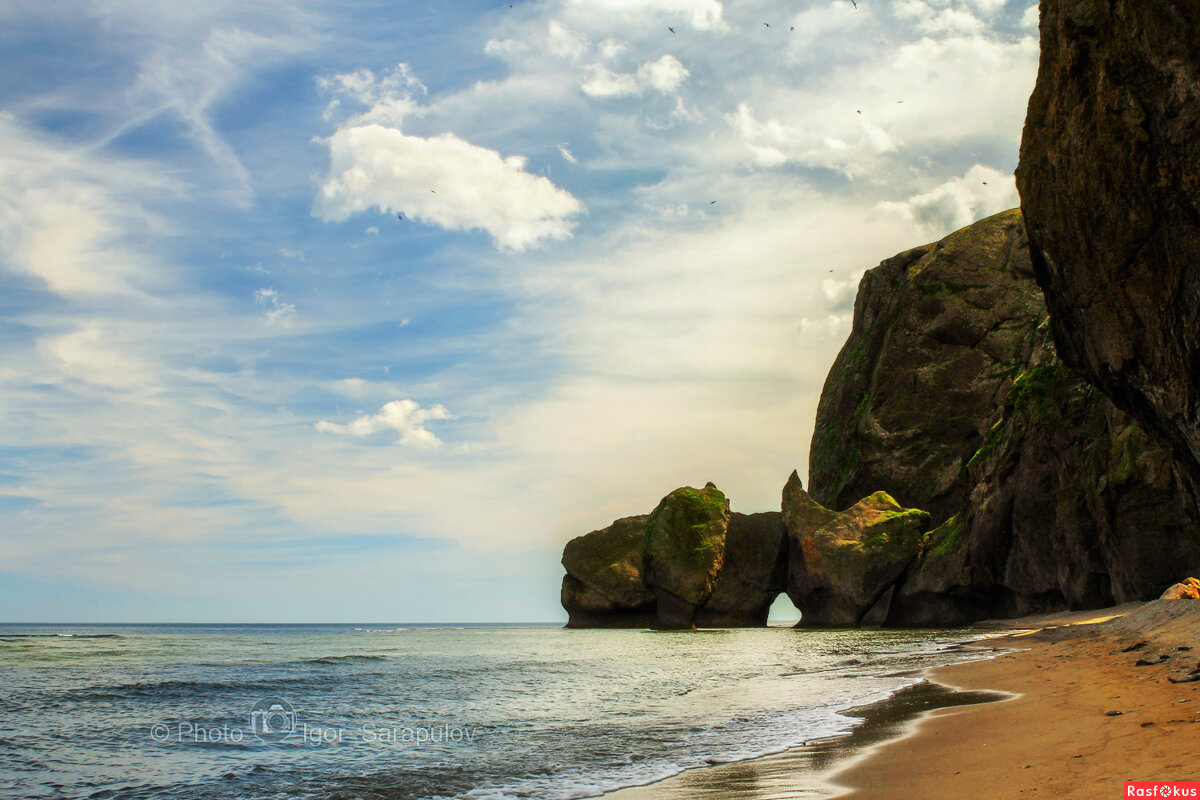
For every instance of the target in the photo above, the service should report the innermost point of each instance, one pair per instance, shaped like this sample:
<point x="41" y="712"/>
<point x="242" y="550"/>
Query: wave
<point x="344" y="659"/>
<point x="6" y="636"/>
<point x="179" y="689"/>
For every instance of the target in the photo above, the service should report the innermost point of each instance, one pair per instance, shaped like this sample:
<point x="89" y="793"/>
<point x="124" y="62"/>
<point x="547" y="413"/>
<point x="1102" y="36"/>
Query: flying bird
<point x="767" y="24"/>
<point x="433" y="190"/>
<point x="792" y="28"/>
<point x="854" y="3"/>
<point x="713" y="203"/>
<point x="985" y="183"/>
<point x="400" y="216"/>
<point x="860" y="112"/>
<point x="672" y="30"/>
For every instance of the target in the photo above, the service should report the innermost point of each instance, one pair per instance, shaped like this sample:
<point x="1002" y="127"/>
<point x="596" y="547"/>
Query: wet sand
<point x="1052" y="735"/>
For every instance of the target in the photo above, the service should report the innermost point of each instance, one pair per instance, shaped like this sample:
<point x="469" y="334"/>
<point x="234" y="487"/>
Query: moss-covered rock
<point x="685" y="551"/>
<point x="754" y="574"/>
<point x="841" y="565"/>
<point x="691" y="561"/>
<point x="604" y="585"/>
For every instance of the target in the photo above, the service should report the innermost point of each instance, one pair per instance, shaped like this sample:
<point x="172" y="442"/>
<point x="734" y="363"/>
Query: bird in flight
<point x="767" y="24"/>
<point x="854" y="3"/>
<point x="985" y="183"/>
<point x="400" y="216"/>
<point x="713" y="203"/>
<point x="860" y="112"/>
<point x="433" y="190"/>
<point x="672" y="30"/>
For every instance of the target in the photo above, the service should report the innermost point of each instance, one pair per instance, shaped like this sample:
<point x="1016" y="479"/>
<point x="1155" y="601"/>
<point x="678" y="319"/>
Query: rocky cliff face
<point x="1110" y="184"/>
<point x="939" y="333"/>
<point x="1047" y="495"/>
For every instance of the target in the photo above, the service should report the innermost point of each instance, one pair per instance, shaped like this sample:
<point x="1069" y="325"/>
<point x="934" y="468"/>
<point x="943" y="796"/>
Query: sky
<point x="360" y="311"/>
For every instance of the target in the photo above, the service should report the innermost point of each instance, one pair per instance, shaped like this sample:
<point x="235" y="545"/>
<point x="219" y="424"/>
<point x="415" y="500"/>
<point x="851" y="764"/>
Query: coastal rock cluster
<point x="1030" y="383"/>
<point x="691" y="562"/>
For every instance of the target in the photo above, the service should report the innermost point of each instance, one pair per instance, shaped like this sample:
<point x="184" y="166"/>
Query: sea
<point x="386" y="711"/>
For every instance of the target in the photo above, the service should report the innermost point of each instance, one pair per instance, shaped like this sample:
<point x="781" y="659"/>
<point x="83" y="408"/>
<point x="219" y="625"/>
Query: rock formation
<point x="1045" y="494"/>
<point x="938" y="334"/>
<point x="1110" y="184"/>
<point x="1037" y="393"/>
<point x="691" y="561"/>
<point x="844" y="564"/>
<point x="685" y="552"/>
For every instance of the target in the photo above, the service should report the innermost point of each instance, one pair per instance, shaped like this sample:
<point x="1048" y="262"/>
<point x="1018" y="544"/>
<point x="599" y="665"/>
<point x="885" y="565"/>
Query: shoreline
<point x="1054" y="695"/>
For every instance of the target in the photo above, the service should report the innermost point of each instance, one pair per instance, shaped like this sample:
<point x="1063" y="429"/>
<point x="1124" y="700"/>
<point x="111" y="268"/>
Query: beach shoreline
<point x="1057" y="680"/>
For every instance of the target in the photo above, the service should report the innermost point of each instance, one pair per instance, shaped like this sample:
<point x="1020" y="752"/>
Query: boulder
<point x="1188" y="589"/>
<point x="604" y="585"/>
<point x="685" y="552"/>
<point x="754" y="574"/>
<point x="843" y="564"/>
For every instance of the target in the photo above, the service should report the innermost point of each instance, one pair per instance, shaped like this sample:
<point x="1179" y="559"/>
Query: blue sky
<point x="234" y="385"/>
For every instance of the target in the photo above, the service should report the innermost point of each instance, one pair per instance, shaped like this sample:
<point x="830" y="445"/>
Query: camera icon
<point x="272" y="719"/>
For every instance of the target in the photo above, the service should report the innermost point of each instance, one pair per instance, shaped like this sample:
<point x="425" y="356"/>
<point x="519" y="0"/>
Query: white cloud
<point x="940" y="21"/>
<point x="71" y="221"/>
<point x="664" y="75"/>
<point x="700" y="14"/>
<point x="565" y="43"/>
<point x="1031" y="17"/>
<point x="566" y="154"/>
<point x="278" y="312"/>
<point x="958" y="202"/>
<point x="445" y="181"/>
<point x="405" y="417"/>
<point x="442" y="180"/>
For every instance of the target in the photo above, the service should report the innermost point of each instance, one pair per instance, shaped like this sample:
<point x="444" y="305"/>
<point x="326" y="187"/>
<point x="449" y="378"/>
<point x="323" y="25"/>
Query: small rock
<point x="1150" y="662"/>
<point x="1188" y="589"/>
<point x="1113" y="713"/>
<point x="1133" y="647"/>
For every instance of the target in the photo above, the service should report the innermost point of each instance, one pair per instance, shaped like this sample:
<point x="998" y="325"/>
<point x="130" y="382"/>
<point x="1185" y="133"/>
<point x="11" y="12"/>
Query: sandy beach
<point x="1077" y="719"/>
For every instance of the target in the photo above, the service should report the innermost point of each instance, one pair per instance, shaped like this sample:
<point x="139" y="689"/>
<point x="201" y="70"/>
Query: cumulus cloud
<point x="663" y="75"/>
<point x="443" y="180"/>
<point x="405" y="417"/>
<point x="958" y="202"/>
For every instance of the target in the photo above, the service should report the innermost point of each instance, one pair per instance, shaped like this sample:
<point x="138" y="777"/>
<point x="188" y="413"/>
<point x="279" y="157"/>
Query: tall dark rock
<point x="1110" y="185"/>
<point x="939" y="333"/>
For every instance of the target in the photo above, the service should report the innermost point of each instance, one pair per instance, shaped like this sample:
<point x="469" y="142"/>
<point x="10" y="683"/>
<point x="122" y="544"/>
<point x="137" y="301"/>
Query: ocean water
<point x="385" y="711"/>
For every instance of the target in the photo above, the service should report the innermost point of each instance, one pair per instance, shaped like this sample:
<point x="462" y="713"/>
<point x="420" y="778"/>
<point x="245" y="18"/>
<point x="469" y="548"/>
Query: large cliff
<point x="949" y="394"/>
<point x="1110" y="184"/>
